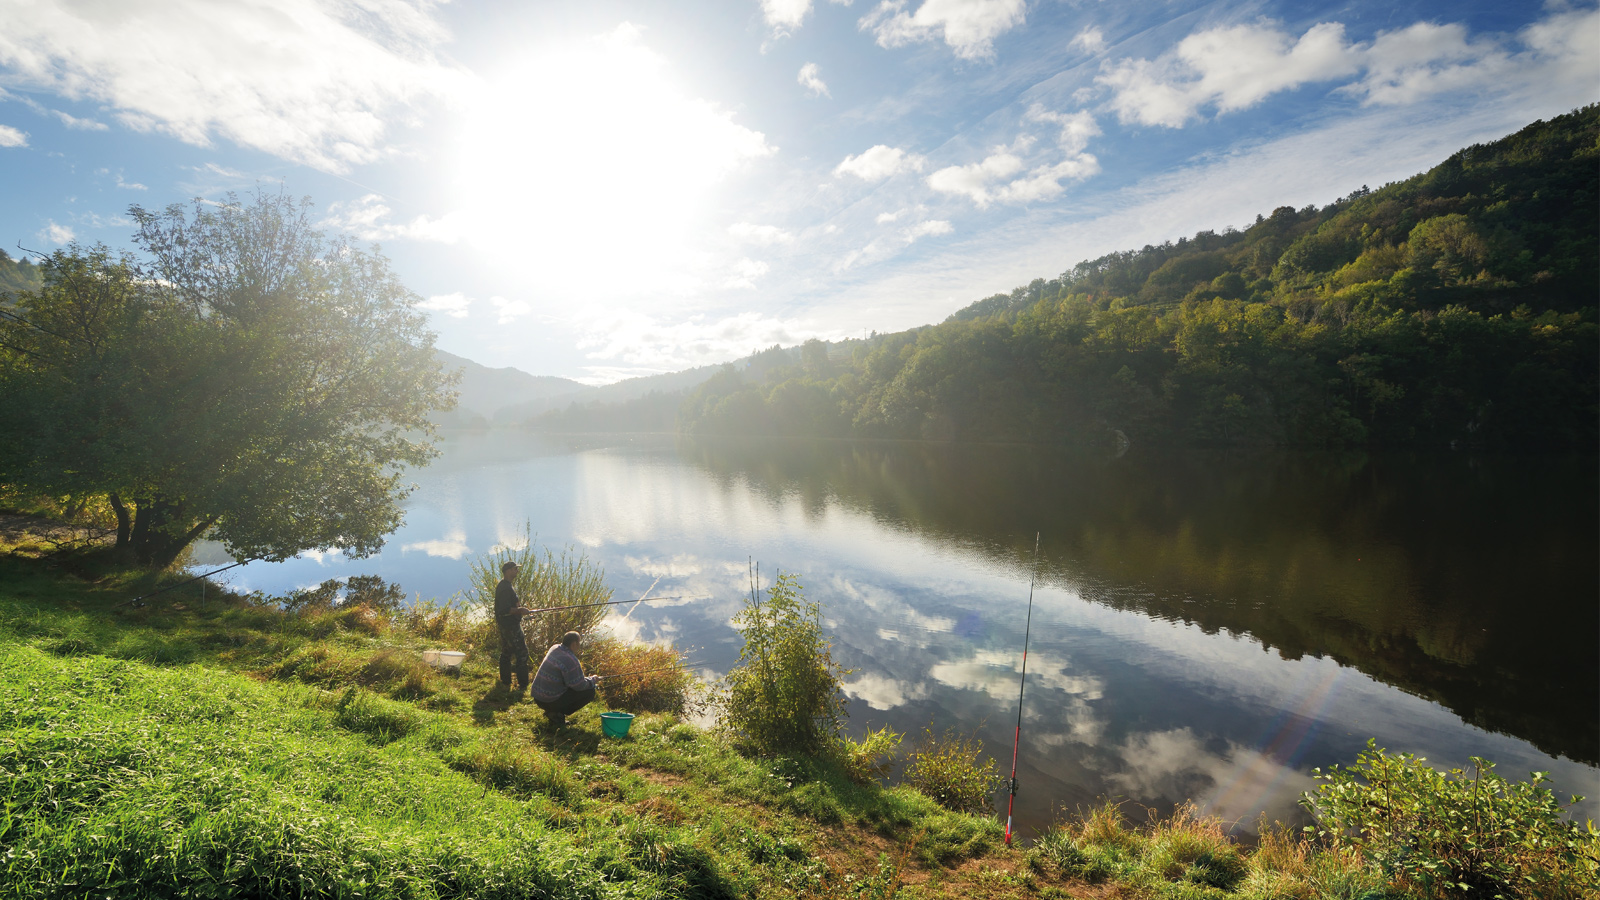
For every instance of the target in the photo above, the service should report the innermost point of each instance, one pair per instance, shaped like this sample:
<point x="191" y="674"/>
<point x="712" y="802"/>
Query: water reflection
<point x="1205" y="628"/>
<point x="1470" y="583"/>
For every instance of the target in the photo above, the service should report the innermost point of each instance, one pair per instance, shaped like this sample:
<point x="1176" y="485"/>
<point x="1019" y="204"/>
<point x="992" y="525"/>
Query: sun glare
<point x="585" y="167"/>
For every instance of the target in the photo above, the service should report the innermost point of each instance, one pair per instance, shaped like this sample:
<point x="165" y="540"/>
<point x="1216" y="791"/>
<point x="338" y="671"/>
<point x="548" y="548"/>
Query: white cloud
<point x="743" y="274"/>
<point x="1232" y="783"/>
<point x="451" y="546"/>
<point x="1406" y="65"/>
<point x="812" y="81"/>
<point x="881" y="692"/>
<point x="52" y="233"/>
<point x="968" y="26"/>
<point x="78" y="124"/>
<point x="310" y="81"/>
<point x="879" y="163"/>
<point x="1236" y="67"/>
<point x="972" y="180"/>
<point x="885" y="218"/>
<point x="367" y="219"/>
<point x="759" y="234"/>
<point x="785" y="15"/>
<point x="11" y="137"/>
<point x="1090" y="40"/>
<point x="995" y="672"/>
<point x="1044" y="182"/>
<point x="129" y="185"/>
<point x="930" y="227"/>
<point x="1076" y="128"/>
<point x="1231" y="67"/>
<point x="510" y="310"/>
<point x="453" y="305"/>
<point x="643" y="344"/>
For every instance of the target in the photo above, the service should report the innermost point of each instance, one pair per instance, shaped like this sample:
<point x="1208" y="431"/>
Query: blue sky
<point x="605" y="189"/>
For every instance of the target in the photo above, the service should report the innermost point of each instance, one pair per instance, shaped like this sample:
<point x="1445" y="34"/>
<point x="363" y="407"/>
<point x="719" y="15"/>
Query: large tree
<point x="246" y="375"/>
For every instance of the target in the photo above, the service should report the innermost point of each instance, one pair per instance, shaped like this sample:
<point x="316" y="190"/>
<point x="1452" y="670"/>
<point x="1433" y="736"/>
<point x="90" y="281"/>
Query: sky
<point x="600" y="190"/>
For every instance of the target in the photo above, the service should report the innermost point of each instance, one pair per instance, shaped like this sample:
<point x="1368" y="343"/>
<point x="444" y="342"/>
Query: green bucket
<point x="615" y="724"/>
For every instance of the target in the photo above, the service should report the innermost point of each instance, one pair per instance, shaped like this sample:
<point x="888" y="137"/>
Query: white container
<point x="443" y="659"/>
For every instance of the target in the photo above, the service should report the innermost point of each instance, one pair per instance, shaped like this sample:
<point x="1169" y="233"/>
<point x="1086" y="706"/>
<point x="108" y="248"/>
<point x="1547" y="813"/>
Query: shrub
<point x="546" y="580"/>
<point x="1450" y="832"/>
<point x="784" y="694"/>
<point x="870" y="758"/>
<point x="662" y="685"/>
<point x="948" y="769"/>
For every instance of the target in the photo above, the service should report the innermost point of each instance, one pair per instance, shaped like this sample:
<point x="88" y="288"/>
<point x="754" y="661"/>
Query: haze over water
<point x="1205" y="627"/>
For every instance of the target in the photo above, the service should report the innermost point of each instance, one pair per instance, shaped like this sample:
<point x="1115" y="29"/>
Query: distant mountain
<point x="486" y="392"/>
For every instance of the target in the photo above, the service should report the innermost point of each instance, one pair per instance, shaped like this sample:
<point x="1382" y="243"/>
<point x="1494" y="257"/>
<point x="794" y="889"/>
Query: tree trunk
<point x="124" y="524"/>
<point x="161" y="531"/>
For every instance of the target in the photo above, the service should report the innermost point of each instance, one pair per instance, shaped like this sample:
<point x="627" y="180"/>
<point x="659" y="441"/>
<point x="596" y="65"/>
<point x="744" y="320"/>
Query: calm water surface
<point x="1205" y="626"/>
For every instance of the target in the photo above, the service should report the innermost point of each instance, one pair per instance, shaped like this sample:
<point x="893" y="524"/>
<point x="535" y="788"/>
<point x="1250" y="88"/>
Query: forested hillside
<point x="17" y="275"/>
<point x="1456" y="308"/>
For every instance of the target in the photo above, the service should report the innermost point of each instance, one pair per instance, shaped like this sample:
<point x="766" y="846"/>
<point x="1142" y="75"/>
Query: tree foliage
<point x="247" y="375"/>
<point x="1456" y="307"/>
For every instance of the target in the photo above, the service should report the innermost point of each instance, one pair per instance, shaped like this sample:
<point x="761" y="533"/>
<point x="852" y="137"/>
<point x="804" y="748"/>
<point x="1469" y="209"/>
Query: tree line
<point x="1455" y="308"/>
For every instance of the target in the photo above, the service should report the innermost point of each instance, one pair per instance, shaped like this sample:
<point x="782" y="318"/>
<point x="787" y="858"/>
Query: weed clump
<point x="950" y="768"/>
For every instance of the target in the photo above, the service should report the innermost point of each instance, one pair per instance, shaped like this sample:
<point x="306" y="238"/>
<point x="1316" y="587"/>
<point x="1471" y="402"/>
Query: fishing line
<point x="641" y="598"/>
<point x="1022" y="686"/>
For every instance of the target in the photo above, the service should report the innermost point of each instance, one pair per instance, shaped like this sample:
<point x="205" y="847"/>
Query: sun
<point x="586" y="167"/>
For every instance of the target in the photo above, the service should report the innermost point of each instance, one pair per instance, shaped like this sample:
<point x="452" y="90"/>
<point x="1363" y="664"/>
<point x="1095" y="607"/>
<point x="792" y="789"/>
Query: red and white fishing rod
<point x="1023" y="686"/>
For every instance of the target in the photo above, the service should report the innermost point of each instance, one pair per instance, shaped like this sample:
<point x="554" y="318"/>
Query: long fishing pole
<point x="606" y="603"/>
<point x="139" y="600"/>
<point x="646" y="671"/>
<point x="1022" y="686"/>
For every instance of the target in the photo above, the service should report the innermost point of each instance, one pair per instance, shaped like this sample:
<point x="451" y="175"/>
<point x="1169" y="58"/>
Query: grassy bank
<point x="227" y="748"/>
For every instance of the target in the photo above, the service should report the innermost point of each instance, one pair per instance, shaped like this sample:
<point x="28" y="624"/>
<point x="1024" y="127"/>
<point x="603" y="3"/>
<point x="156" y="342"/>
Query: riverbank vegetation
<point x="1455" y="308"/>
<point x="220" y="745"/>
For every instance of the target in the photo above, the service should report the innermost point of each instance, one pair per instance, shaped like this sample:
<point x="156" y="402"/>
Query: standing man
<point x="508" y="613"/>
<point x="561" y="688"/>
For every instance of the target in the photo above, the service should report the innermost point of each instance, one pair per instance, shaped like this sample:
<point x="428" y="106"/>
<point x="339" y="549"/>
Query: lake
<point x="1206" y="626"/>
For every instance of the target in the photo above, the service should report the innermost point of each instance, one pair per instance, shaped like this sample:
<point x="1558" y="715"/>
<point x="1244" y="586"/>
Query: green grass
<point x="233" y="750"/>
<point x="230" y="749"/>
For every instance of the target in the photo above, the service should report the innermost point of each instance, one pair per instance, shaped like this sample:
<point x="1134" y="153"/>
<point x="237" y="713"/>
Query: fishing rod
<point x="605" y="603"/>
<point x="646" y="671"/>
<point x="138" y="601"/>
<point x="1022" y="686"/>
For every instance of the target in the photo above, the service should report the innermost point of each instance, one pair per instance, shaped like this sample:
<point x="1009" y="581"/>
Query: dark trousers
<point x="513" y="652"/>
<point x="566" y="704"/>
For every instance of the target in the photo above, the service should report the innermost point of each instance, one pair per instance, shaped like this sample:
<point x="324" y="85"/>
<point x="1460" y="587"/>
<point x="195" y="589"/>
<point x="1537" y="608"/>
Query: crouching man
<point x="560" y="687"/>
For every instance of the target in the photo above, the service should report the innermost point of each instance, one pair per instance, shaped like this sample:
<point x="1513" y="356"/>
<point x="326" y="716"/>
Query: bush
<point x="948" y="769"/>
<point x="870" y="758"/>
<point x="546" y="580"/>
<point x="1450" y="832"/>
<point x="662" y="685"/>
<point x="784" y="694"/>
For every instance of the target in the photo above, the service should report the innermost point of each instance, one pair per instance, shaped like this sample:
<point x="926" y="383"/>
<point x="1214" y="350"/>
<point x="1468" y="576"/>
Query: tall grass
<point x="548" y="579"/>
